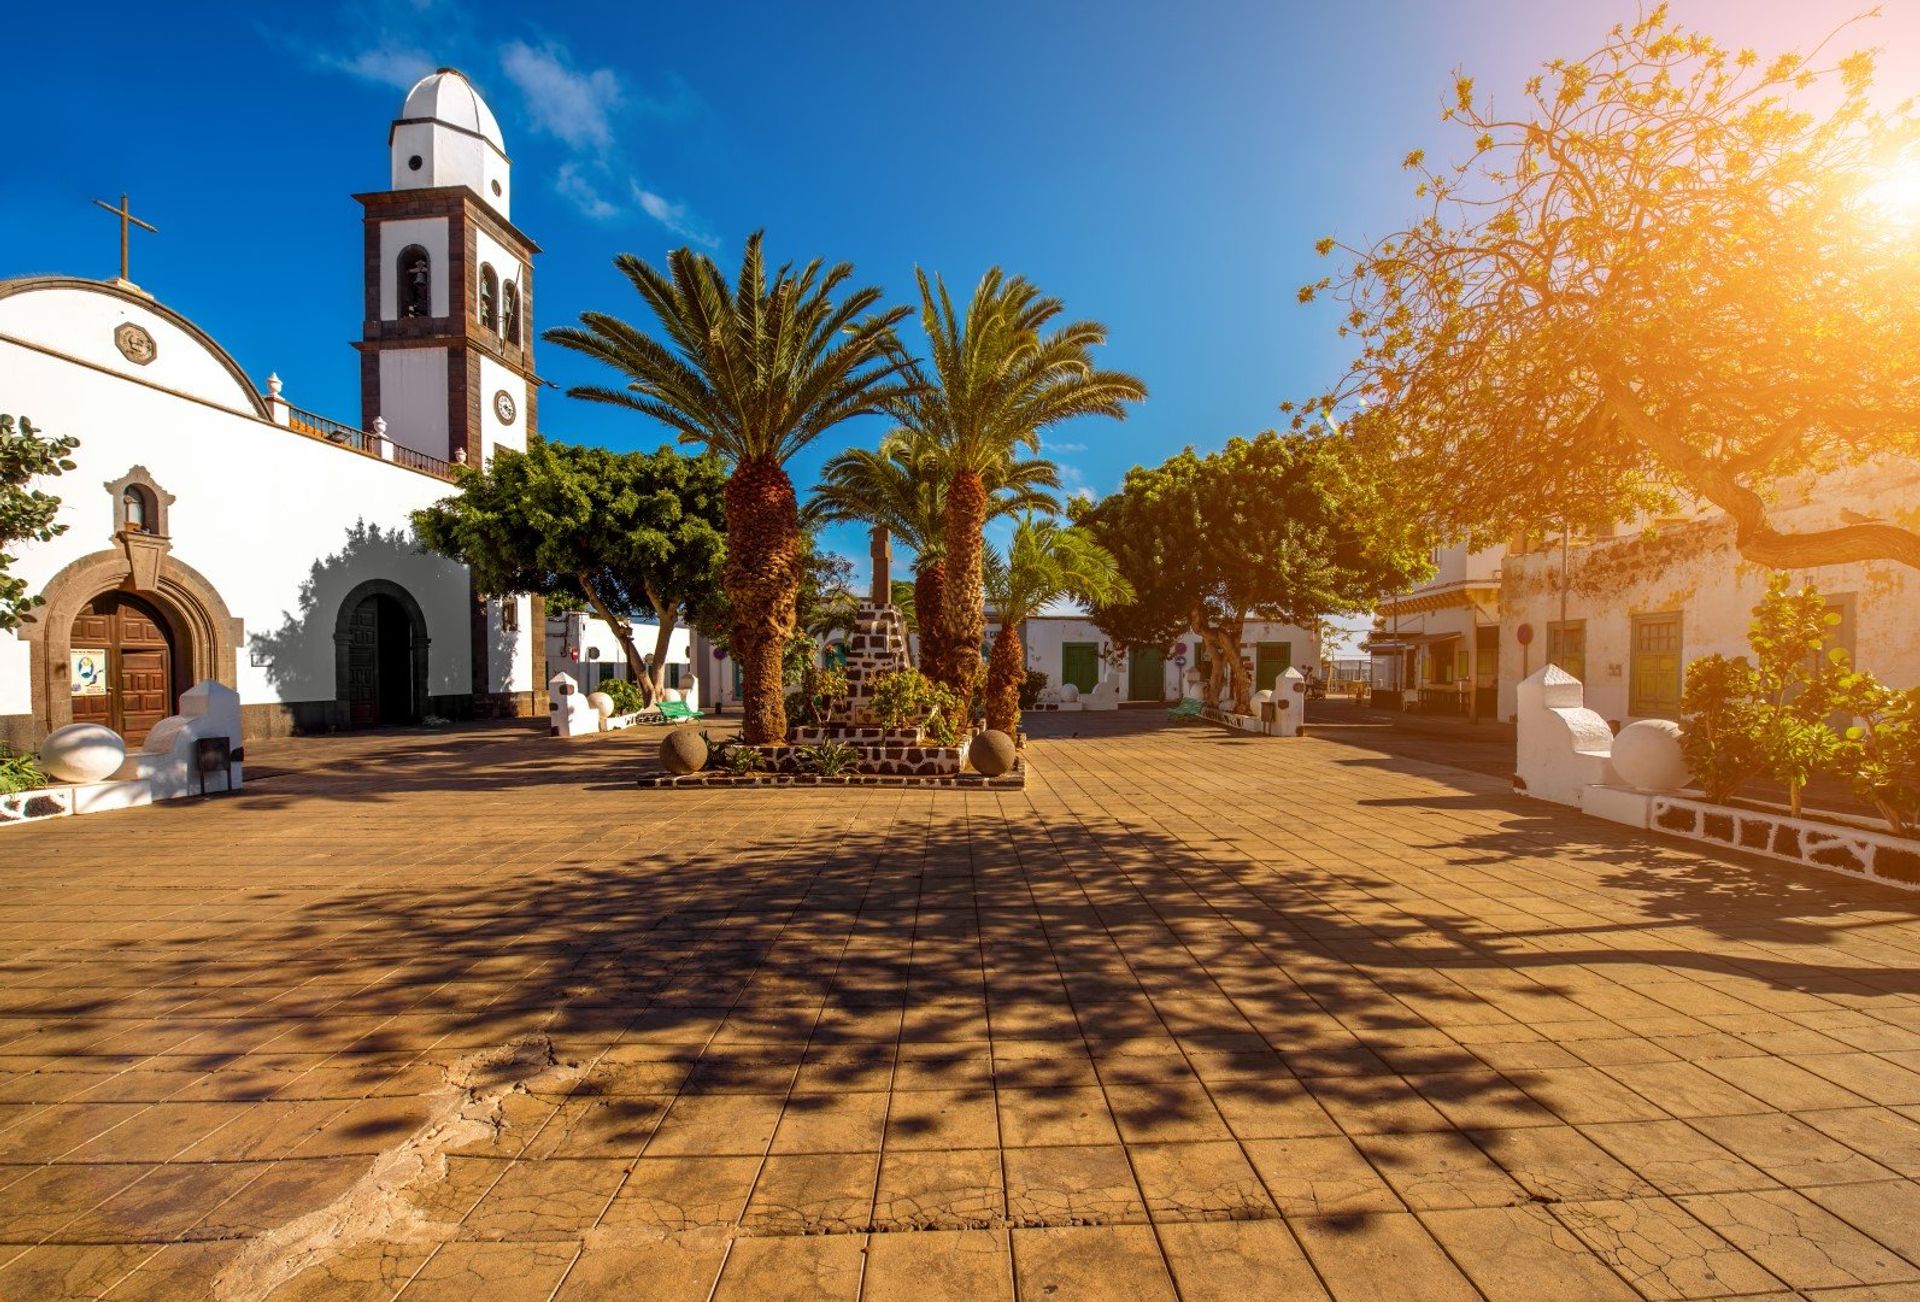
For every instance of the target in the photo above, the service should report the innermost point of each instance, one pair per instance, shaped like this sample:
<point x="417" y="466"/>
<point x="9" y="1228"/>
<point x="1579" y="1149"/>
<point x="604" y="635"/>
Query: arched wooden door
<point x="123" y="665"/>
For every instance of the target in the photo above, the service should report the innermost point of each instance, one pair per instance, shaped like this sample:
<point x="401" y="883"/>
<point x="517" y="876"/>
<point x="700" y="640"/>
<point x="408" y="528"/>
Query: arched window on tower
<point x="415" y="284"/>
<point x="489" y="297"/>
<point x="510" y="313"/>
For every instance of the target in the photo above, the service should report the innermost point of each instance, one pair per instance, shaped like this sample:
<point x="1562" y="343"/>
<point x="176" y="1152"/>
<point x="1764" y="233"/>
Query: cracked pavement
<point x="1195" y="1015"/>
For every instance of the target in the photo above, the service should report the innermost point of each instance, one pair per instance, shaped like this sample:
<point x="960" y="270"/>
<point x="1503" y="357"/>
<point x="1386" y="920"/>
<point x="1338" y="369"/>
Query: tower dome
<point x="446" y="135"/>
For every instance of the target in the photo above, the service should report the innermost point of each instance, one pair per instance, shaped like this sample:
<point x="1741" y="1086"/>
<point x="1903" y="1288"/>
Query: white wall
<point x="413" y="398"/>
<point x="493" y="378"/>
<point x="1045" y="637"/>
<point x="280" y="524"/>
<point x="1694" y="569"/>
<point x="450" y="157"/>
<point x="80" y="323"/>
<point x="577" y="642"/>
<point x="430" y="233"/>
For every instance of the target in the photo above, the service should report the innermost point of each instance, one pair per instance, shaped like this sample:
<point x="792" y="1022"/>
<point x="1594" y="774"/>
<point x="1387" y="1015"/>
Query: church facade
<point x="216" y="531"/>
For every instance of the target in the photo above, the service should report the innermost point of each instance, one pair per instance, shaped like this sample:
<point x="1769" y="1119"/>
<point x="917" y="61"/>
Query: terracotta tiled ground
<point x="1195" y="1015"/>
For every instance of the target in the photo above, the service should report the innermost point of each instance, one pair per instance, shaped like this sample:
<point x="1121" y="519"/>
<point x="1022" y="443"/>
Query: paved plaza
<point x="1194" y="1015"/>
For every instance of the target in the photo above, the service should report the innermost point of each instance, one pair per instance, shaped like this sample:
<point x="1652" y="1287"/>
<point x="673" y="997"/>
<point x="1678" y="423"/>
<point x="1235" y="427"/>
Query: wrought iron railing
<point x="422" y="462"/>
<point x="366" y="443"/>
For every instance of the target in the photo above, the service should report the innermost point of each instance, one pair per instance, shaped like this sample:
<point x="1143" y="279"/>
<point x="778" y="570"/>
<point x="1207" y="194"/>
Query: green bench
<point x="1189" y="708"/>
<point x="679" y="712"/>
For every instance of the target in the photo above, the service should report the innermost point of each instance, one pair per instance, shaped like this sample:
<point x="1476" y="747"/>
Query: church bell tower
<point x="446" y="351"/>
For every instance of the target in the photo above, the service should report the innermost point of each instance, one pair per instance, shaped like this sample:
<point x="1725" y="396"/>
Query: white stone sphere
<point x="673" y="694"/>
<point x="601" y="704"/>
<point x="1069" y="693"/>
<point x="1647" y="755"/>
<point x="83" y="752"/>
<point x="1262" y="696"/>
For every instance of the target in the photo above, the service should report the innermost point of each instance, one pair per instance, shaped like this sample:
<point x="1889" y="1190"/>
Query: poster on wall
<point x="88" y="671"/>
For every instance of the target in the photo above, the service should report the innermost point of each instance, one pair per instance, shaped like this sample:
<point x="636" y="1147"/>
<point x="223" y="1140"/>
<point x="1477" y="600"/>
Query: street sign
<point x="1523" y="635"/>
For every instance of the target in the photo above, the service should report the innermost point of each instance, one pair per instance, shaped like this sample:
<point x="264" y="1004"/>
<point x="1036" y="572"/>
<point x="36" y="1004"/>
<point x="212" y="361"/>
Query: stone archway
<point x="208" y="635"/>
<point x="368" y="655"/>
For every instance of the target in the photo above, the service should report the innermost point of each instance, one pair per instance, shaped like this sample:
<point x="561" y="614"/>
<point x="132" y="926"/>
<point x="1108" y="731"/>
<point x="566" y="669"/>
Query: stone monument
<point x="877" y="643"/>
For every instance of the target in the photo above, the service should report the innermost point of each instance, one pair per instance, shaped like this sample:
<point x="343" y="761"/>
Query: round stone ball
<point x="672" y="694"/>
<point x="1647" y="755"/>
<point x="1069" y="693"/>
<point x="602" y="704"/>
<point x="684" y="751"/>
<point x="82" y="752"/>
<point x="991" y="753"/>
<point x="1262" y="696"/>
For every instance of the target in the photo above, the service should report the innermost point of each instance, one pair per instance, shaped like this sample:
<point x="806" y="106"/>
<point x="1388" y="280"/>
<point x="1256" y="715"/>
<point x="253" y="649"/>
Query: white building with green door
<point x="1072" y="649"/>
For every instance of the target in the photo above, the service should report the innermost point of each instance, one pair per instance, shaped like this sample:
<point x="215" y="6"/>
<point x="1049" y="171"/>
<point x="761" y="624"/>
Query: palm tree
<point x="902" y="487"/>
<point x="1047" y="562"/>
<point x="1002" y="377"/>
<point x="754" y="373"/>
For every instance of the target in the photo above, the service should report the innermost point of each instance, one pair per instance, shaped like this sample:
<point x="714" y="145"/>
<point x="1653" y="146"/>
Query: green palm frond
<point x="1048" y="562"/>
<point x="754" y="369"/>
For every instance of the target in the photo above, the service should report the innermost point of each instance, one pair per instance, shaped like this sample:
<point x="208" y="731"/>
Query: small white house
<point x="1072" y="649"/>
<point x="584" y="645"/>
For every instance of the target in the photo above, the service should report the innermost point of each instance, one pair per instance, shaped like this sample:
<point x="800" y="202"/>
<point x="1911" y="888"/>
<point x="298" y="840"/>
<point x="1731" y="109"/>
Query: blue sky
<point x="1163" y="167"/>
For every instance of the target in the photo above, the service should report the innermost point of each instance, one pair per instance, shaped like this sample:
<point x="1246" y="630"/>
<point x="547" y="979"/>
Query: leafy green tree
<point x="1292" y="527"/>
<point x="618" y="532"/>
<point x="902" y="486"/>
<point x="26" y="514"/>
<point x="1666" y="274"/>
<point x="753" y="372"/>
<point x="1046" y="562"/>
<point x="1880" y="756"/>
<point x="1722" y="737"/>
<point x="1795" y="676"/>
<point x="999" y="377"/>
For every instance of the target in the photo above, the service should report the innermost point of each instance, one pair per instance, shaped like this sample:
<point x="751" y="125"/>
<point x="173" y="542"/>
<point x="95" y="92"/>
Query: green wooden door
<point x="1147" y="674"/>
<point x="1270" y="660"/>
<point x="1080" y="664"/>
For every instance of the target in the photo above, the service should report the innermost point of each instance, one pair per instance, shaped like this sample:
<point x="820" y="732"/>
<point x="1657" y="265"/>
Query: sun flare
<point x="1894" y="195"/>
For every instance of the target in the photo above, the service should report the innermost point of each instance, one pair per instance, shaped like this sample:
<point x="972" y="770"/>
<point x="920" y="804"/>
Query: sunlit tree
<point x="1673" y="270"/>
<point x="1046" y="562"/>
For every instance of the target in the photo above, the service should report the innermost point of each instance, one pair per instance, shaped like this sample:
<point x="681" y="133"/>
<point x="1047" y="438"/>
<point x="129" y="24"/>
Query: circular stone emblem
<point x="134" y="343"/>
<point x="503" y="407"/>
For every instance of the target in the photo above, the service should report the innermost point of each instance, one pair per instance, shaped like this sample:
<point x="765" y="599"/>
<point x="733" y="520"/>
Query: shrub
<point x="19" y="772"/>
<point x="907" y="698"/>
<point x="1880" y="756"/>
<point x="1031" y="687"/>
<point x="738" y="758"/>
<point x="1722" y="733"/>
<point x="1795" y="678"/>
<point x="829" y="758"/>
<point x="626" y="695"/>
<point x="821" y="690"/>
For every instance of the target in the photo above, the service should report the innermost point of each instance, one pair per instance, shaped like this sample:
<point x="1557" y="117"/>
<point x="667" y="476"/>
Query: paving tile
<point x="1320" y="1176"/>
<point x="972" y="1264"/>
<point x="843" y="1122"/>
<point x="1661" y="1250"/>
<point x="1205" y="1181"/>
<point x="486" y="1272"/>
<point x="1790" y="1151"/>
<point x="924" y="1189"/>
<point x="555" y="1198"/>
<point x="626" y="1263"/>
<point x="1560" y="1163"/>
<point x="1071" y="1185"/>
<point x="1888" y="1211"/>
<point x="1675" y="1158"/>
<point x="1375" y="1254"/>
<point x="813" y="1193"/>
<point x="1118" y="1262"/>
<point x="962" y="1118"/>
<point x="815" y="1268"/>
<point x="1889" y="1138"/>
<point x="1523" y="1253"/>
<point x="1433" y="1171"/>
<point x="1799" y="1243"/>
<point x="1225" y="1261"/>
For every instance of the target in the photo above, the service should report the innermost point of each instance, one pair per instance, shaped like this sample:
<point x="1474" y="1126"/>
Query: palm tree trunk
<point x="930" y="612"/>
<point x="966" y="616"/>
<point x="1006" y="667"/>
<point x="763" y="579"/>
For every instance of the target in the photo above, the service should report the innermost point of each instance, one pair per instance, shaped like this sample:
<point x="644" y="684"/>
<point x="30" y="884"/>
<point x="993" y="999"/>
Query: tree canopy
<point x="1046" y="562"/>
<point x="26" y="513"/>
<point x="1289" y="527"/>
<point x="617" y="532"/>
<point x="1666" y="274"/>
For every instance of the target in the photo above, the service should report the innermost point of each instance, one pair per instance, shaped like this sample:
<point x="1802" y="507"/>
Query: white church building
<point x="214" y="531"/>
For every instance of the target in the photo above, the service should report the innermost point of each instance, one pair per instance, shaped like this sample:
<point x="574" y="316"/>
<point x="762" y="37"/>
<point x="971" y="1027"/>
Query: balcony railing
<point x="365" y="442"/>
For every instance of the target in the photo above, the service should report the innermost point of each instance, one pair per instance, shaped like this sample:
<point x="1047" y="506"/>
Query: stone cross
<point x="882" y="567"/>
